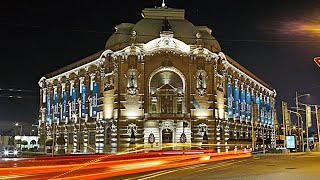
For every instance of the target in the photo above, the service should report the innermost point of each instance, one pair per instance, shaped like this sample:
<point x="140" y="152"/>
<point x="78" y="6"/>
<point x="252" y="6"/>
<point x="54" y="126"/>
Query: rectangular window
<point x="108" y="135"/>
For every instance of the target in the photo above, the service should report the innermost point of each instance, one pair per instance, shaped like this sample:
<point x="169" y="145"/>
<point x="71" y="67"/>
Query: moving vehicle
<point x="10" y="151"/>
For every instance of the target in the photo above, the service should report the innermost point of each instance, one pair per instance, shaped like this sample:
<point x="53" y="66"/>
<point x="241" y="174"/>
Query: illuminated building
<point x="158" y="82"/>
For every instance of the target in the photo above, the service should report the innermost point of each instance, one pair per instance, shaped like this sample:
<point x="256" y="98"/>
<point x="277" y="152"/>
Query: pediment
<point x="167" y="87"/>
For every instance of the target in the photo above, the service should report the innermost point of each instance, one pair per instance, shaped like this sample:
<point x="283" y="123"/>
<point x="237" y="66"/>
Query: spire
<point x="163" y="4"/>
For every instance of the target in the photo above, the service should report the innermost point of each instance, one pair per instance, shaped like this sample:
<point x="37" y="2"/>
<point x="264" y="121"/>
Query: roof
<point x="149" y="28"/>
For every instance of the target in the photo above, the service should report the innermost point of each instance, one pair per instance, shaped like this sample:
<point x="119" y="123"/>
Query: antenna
<point x="163" y="4"/>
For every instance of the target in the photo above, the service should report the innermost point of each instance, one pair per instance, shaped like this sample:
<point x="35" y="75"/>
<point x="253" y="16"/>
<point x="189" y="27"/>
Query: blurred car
<point x="10" y="151"/>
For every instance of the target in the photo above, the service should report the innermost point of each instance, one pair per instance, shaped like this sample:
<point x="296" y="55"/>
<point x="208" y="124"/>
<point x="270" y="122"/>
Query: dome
<point x="149" y="28"/>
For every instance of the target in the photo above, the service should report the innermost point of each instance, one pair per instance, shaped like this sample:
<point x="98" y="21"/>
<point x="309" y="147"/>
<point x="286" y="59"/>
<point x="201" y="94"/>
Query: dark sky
<point x="275" y="40"/>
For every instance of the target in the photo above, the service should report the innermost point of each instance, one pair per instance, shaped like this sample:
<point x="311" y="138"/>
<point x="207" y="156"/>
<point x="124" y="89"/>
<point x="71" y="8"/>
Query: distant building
<point x="32" y="141"/>
<point x="162" y="81"/>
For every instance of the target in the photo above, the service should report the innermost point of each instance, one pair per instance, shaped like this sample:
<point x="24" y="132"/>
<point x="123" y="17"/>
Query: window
<point x="231" y="136"/>
<point x="238" y="135"/>
<point x="108" y="135"/>
<point x="92" y="138"/>
<point x="70" y="138"/>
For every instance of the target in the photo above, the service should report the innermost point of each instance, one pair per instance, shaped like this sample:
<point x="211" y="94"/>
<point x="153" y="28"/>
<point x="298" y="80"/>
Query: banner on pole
<point x="286" y="113"/>
<point x="308" y="116"/>
<point x="258" y="107"/>
<point x="48" y="108"/>
<point x="236" y="103"/>
<point x="56" y="108"/>
<point x="83" y="102"/>
<point x="242" y="104"/>
<point x="95" y="99"/>
<point x="248" y="104"/>
<point x="255" y="114"/>
<point x="73" y="103"/>
<point x="64" y="106"/>
<point x="230" y="100"/>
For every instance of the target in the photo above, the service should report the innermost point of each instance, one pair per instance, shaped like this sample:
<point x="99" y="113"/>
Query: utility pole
<point x="53" y="137"/>
<point x="284" y="125"/>
<point x="253" y="123"/>
<point x="308" y="120"/>
<point x="297" y="109"/>
<point x="264" y="148"/>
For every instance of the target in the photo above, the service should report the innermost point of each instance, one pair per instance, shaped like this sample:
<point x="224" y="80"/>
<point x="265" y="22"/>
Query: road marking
<point x="220" y="165"/>
<point x="160" y="173"/>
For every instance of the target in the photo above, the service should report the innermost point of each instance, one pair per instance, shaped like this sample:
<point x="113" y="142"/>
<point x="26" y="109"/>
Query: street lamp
<point x="294" y="127"/>
<point x="297" y="106"/>
<point x="17" y="124"/>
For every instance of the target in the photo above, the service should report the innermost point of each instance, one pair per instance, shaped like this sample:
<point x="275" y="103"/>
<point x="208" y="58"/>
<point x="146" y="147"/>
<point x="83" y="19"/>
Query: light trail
<point x="104" y="166"/>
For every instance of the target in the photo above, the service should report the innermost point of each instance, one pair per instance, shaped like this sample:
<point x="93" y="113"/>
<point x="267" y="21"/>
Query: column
<point x="92" y="80"/>
<point x="218" y="135"/>
<point x="72" y="103"/>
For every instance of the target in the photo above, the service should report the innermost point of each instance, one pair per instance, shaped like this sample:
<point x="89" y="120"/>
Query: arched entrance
<point x="167" y="136"/>
<point x="167" y="91"/>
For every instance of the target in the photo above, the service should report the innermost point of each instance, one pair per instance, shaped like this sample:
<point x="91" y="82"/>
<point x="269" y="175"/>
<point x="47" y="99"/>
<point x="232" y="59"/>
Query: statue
<point x="132" y="81"/>
<point x="200" y="82"/>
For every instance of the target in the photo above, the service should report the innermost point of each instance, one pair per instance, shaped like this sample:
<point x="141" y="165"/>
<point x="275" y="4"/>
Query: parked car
<point x="10" y="151"/>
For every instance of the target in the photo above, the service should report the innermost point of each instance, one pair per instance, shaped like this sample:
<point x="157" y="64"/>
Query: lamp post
<point x="317" y="119"/>
<point x="17" y="124"/>
<point x="294" y="127"/>
<point x="297" y="110"/>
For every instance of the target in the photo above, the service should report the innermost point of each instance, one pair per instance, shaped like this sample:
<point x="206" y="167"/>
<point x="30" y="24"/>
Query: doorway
<point x="167" y="135"/>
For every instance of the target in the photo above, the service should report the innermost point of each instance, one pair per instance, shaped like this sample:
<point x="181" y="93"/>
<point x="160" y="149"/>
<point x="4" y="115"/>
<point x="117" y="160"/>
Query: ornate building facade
<point x="160" y="82"/>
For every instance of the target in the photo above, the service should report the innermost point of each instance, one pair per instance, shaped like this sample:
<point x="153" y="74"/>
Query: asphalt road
<point x="305" y="166"/>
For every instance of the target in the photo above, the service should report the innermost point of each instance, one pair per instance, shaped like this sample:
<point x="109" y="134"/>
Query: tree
<point x="61" y="141"/>
<point x="24" y="143"/>
<point x="41" y="140"/>
<point x="18" y="141"/>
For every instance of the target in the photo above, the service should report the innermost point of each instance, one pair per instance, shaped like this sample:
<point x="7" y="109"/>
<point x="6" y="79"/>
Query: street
<point x="106" y="165"/>
<point x="279" y="166"/>
<point x="165" y="165"/>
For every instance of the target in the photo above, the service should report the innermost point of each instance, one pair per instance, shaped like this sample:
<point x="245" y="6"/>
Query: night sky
<point x="275" y="40"/>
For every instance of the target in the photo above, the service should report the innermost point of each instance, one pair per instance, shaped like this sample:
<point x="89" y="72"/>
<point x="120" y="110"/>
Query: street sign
<point x="317" y="60"/>
<point x="254" y="114"/>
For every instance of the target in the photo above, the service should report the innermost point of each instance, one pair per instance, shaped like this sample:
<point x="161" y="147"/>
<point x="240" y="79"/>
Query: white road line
<point x="160" y="173"/>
